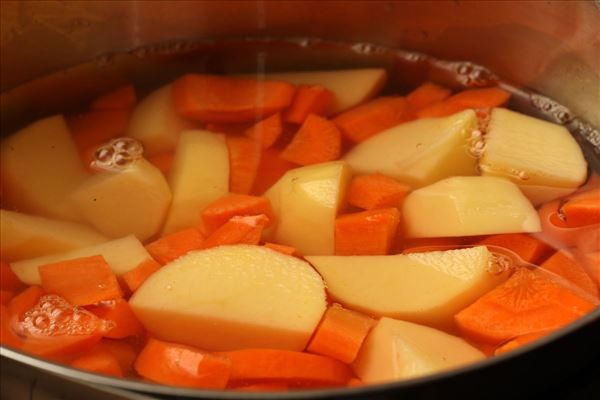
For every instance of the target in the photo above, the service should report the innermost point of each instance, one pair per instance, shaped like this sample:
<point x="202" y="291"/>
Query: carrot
<point x="287" y="250"/>
<point x="527" y="302"/>
<point x="24" y="301"/>
<point x="527" y="247"/>
<point x="99" y="361"/>
<point x="180" y="365"/>
<point x="244" y="159"/>
<point x="471" y="98"/>
<point x="309" y="100"/>
<point x="162" y="161"/>
<point x="81" y="281"/>
<point x="366" y="120"/>
<point x="556" y="231"/>
<point x="8" y="279"/>
<point x="318" y="140"/>
<point x="175" y="245"/>
<point x="237" y="230"/>
<point x="581" y="210"/>
<point x="561" y="263"/>
<point x="224" y="208"/>
<point x="369" y="232"/>
<point x="340" y="334"/>
<point x="124" y="351"/>
<point x="121" y="98"/>
<point x="135" y="277"/>
<point x="263" y="387"/>
<point x="427" y="94"/>
<point x="119" y="313"/>
<point x="294" y="368"/>
<point x="6" y="296"/>
<point x="94" y="128"/>
<point x="271" y="168"/>
<point x="228" y="129"/>
<point x="7" y="334"/>
<point x="266" y="131"/>
<point x="210" y="98"/>
<point x="520" y="341"/>
<point x="376" y="191"/>
<point x="87" y="157"/>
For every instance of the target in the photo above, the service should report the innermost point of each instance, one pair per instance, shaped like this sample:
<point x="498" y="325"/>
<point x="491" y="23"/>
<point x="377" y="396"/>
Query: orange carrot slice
<point x="99" y="361"/>
<point x="340" y="334"/>
<point x="287" y="250"/>
<point x="179" y="365"/>
<point x="520" y="341"/>
<point x="369" y="232"/>
<point x="8" y="279"/>
<point x="527" y="302"/>
<point x="121" y="98"/>
<point x="267" y="131"/>
<point x="244" y="159"/>
<point x="561" y="263"/>
<point x="366" y="120"/>
<point x="525" y="246"/>
<point x="224" y="208"/>
<point x="24" y="301"/>
<point x="376" y="191"/>
<point x="271" y="168"/>
<point x="294" y="368"/>
<point x="471" y="98"/>
<point x="581" y="210"/>
<point x="7" y="334"/>
<point x="125" y="352"/>
<point x="210" y="98"/>
<point x="6" y="296"/>
<point x="81" y="281"/>
<point x="427" y="94"/>
<point x="174" y="245"/>
<point x="309" y="100"/>
<point x="162" y="161"/>
<point x="238" y="230"/>
<point x="119" y="313"/>
<point x="317" y="141"/>
<point x="134" y="278"/>
<point x="94" y="128"/>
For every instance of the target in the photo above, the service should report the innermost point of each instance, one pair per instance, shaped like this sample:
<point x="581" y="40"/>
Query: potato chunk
<point x="427" y="288"/>
<point x="541" y="157"/>
<point x="399" y="350"/>
<point x="420" y="152"/>
<point x="233" y="297"/>
<point x="467" y="206"/>
<point x="39" y="166"/>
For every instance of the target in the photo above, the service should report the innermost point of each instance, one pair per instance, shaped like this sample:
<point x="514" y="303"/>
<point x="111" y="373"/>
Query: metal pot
<point x="552" y="47"/>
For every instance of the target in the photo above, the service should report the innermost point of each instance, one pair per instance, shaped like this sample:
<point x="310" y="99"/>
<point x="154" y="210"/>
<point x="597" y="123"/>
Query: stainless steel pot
<point x="552" y="47"/>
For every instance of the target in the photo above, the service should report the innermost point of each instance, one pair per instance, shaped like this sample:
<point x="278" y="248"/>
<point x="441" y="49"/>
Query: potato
<point x="350" y="87"/>
<point x="232" y="297"/>
<point x="396" y="350"/>
<point x="420" y="152"/>
<point x="427" y="288"/>
<point x="39" y="166"/>
<point x="122" y="255"/>
<point x="541" y="157"/>
<point x="306" y="201"/>
<point x="199" y="175"/>
<point x="27" y="236"/>
<point x="156" y="124"/>
<point x="467" y="206"/>
<point x="134" y="200"/>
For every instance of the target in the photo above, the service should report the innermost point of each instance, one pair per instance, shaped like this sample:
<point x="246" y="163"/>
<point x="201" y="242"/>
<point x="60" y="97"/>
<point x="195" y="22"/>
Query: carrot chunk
<point x="250" y="366"/>
<point x="7" y="334"/>
<point x="134" y="278"/>
<point x="340" y="334"/>
<point x="94" y="128"/>
<point x="581" y="210"/>
<point x="121" y="98"/>
<point x="174" y="245"/>
<point x="527" y="247"/>
<point x="561" y="263"/>
<point x="471" y="98"/>
<point x="6" y="296"/>
<point x="520" y="341"/>
<point x="427" y="94"/>
<point x="162" y="161"/>
<point x="119" y="313"/>
<point x="287" y="250"/>
<point x="369" y="232"/>
<point x="527" y="302"/>
<point x="238" y="230"/>
<point x="318" y="140"/>
<point x="210" y="98"/>
<point x="24" y="301"/>
<point x="81" y="281"/>
<point x="267" y="131"/>
<point x="224" y="208"/>
<point x="244" y="159"/>
<point x="124" y="351"/>
<point x="309" y="100"/>
<point x="8" y="279"/>
<point x="271" y="168"/>
<point x="366" y="120"/>
<point x="99" y="361"/>
<point x="376" y="191"/>
<point x="179" y="365"/>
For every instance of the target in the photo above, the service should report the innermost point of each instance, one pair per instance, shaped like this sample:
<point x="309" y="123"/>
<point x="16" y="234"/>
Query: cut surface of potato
<point x="541" y="157"/>
<point x="156" y="124"/>
<point x="350" y="87"/>
<point x="199" y="176"/>
<point x="467" y="206"/>
<point x="134" y="200"/>
<point x="398" y="349"/>
<point x="122" y="255"/>
<point x="39" y="166"/>
<point x="306" y="201"/>
<point x="233" y="297"/>
<point x="419" y="152"/>
<point x="27" y="236"/>
<point x="427" y="288"/>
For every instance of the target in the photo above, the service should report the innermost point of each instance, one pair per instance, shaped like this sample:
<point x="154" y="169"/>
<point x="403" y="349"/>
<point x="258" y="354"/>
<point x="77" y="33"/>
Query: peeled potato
<point x="233" y="297"/>
<point x="400" y="350"/>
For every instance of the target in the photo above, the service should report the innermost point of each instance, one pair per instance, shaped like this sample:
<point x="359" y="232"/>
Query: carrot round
<point x="174" y="245"/>
<point x="318" y="140"/>
<point x="376" y="191"/>
<point x="309" y="100"/>
<point x="121" y="98"/>
<point x="561" y="263"/>
<point x="135" y="277"/>
<point x="266" y="131"/>
<point x="99" y="361"/>
<point x="426" y="94"/>
<point x="244" y="159"/>
<point x="224" y="208"/>
<point x="238" y="230"/>
<point x="124" y="321"/>
<point x="525" y="246"/>
<point x="369" y="232"/>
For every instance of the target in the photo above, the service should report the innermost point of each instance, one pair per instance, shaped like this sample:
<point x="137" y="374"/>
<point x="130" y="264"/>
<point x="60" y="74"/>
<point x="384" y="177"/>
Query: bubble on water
<point x="587" y="132"/>
<point x="411" y="56"/>
<point x="363" y="48"/>
<point x="499" y="264"/>
<point x="104" y="60"/>
<point x="117" y="154"/>
<point x="470" y="74"/>
<point x="550" y="108"/>
<point x="522" y="175"/>
<point x="476" y="144"/>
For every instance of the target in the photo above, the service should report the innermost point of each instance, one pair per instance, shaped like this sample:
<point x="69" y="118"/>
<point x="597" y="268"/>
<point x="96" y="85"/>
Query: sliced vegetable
<point x="376" y="191"/>
<point x="267" y="131"/>
<point x="525" y="246"/>
<point x="287" y="250"/>
<point x="223" y="209"/>
<point x="317" y="141"/>
<point x="138" y="275"/>
<point x="244" y="159"/>
<point x="370" y="232"/>
<point x="520" y="341"/>
<point x="94" y="128"/>
<point x="119" y="313"/>
<point x="238" y="230"/>
<point x="98" y="361"/>
<point x="163" y="161"/>
<point x="471" y="98"/>
<point x="8" y="279"/>
<point x="309" y="100"/>
<point x="174" y="245"/>
<point x="121" y="98"/>
<point x="271" y="168"/>
<point x="427" y="94"/>
<point x="563" y="264"/>
<point x="582" y="209"/>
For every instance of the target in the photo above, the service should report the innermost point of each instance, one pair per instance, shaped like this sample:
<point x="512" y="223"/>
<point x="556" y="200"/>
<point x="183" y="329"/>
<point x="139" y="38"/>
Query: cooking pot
<point x="550" y="47"/>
